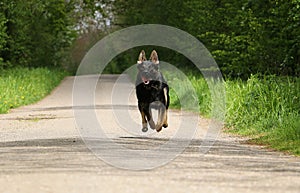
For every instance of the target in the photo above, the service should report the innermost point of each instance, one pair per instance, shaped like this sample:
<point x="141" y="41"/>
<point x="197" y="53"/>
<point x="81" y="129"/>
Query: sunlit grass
<point x="23" y="86"/>
<point x="265" y="108"/>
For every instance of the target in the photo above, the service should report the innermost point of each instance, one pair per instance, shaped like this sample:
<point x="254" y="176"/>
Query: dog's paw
<point x="152" y="124"/>
<point x="165" y="125"/>
<point x="145" y="129"/>
<point x="158" y="129"/>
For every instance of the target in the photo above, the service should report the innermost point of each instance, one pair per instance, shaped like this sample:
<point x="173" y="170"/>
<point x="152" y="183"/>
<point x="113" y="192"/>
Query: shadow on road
<point x="71" y="154"/>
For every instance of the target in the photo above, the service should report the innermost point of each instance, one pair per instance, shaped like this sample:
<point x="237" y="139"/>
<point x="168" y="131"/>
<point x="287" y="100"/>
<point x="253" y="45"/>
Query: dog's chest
<point x="149" y="93"/>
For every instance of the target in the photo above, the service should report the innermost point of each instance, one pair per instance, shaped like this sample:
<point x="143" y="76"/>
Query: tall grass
<point x="186" y="89"/>
<point x="266" y="108"/>
<point x="23" y="86"/>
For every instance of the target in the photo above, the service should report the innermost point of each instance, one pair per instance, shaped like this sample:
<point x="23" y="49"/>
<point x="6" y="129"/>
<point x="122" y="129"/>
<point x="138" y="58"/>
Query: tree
<point x="3" y="36"/>
<point x="245" y="37"/>
<point x="35" y="33"/>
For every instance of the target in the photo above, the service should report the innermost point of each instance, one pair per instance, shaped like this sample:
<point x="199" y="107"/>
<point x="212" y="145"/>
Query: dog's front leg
<point x="144" y="122"/>
<point x="165" y="125"/>
<point x="143" y="115"/>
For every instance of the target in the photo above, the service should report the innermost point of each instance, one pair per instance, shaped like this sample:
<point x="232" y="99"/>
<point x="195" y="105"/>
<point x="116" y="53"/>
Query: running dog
<point x="152" y="92"/>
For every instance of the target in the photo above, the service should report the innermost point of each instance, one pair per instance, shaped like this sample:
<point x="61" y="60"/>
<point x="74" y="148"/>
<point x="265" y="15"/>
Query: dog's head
<point x="148" y="69"/>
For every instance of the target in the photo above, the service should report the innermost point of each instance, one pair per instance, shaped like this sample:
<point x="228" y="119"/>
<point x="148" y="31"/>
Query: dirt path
<point x="41" y="151"/>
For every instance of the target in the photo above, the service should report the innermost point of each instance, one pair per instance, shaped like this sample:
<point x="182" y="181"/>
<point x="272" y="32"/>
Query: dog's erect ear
<point x="142" y="57"/>
<point x="154" y="57"/>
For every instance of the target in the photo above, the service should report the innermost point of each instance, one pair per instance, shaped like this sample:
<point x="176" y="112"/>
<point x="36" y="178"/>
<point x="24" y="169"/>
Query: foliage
<point x="3" y="35"/>
<point x="245" y="36"/>
<point x="92" y="21"/>
<point x="35" y="33"/>
<point x="22" y="86"/>
<point x="90" y="15"/>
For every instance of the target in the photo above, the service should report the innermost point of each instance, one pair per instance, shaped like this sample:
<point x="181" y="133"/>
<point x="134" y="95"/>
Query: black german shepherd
<point x="152" y="92"/>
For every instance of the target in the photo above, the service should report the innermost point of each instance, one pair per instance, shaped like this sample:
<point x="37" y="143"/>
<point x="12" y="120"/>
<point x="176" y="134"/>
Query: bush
<point x="34" y="33"/>
<point x="244" y="36"/>
<point x="3" y="36"/>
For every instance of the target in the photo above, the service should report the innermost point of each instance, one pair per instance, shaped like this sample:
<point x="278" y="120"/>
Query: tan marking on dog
<point x="144" y="121"/>
<point x="165" y="124"/>
<point x="166" y="95"/>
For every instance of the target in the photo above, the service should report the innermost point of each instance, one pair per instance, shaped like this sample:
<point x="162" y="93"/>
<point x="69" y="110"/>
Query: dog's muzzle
<point x="145" y="80"/>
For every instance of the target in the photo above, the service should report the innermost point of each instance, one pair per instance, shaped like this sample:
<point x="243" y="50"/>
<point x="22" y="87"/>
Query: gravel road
<point x="42" y="149"/>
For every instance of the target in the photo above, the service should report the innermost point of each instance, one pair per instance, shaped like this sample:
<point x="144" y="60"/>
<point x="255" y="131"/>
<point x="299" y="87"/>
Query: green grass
<point x="180" y="91"/>
<point x="265" y="108"/>
<point x="23" y="86"/>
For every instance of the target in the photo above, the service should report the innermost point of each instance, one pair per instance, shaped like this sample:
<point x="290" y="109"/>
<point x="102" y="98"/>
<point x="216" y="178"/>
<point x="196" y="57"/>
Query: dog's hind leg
<point x="165" y="114"/>
<point x="161" y="119"/>
<point x="150" y="120"/>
